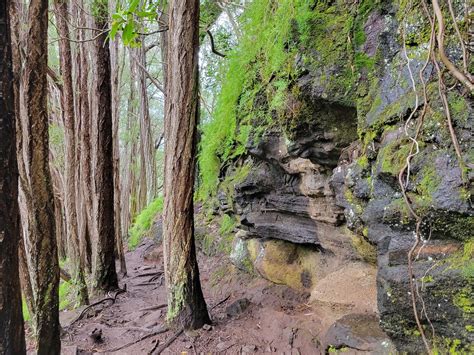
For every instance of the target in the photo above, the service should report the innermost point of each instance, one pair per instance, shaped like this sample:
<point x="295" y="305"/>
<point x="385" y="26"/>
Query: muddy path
<point x="249" y="314"/>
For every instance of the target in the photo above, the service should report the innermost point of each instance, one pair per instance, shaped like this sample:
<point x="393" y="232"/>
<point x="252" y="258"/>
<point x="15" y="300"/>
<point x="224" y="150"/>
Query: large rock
<point x="340" y="163"/>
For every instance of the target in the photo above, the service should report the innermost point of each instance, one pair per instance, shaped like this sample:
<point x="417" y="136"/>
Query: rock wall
<point x="337" y="165"/>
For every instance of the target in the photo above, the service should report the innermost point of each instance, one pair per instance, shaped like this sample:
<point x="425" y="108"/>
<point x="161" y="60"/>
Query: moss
<point x="365" y="250"/>
<point x="355" y="203"/>
<point x="458" y="106"/>
<point x="429" y="182"/>
<point x="363" y="162"/>
<point x="143" y="222"/>
<point x="25" y="311"/>
<point x="259" y="89"/>
<point x="66" y="295"/>
<point x="333" y="350"/>
<point x="393" y="156"/>
<point x="427" y="279"/>
<point x="175" y="302"/>
<point x="464" y="300"/>
<point x="453" y="225"/>
<point x="286" y="263"/>
<point x="241" y="255"/>
<point x="452" y="346"/>
<point x="233" y="178"/>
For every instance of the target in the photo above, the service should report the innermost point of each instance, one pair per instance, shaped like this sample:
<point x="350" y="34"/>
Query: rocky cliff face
<point x="337" y="167"/>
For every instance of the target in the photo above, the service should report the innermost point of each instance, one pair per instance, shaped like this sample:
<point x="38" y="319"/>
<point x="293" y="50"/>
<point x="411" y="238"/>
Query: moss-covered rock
<point x="282" y="262"/>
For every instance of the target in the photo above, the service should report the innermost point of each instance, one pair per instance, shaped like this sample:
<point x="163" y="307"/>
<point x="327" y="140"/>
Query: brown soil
<point x="277" y="319"/>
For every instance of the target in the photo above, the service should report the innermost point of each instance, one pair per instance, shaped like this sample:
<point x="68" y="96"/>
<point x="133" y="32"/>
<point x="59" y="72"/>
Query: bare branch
<point x="213" y="47"/>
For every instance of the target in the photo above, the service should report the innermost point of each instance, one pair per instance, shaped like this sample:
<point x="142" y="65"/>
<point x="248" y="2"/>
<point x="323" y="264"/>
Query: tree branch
<point x="213" y="47"/>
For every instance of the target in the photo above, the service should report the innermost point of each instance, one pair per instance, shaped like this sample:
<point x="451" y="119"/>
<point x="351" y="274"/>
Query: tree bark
<point x="44" y="257"/>
<point x="147" y="153"/>
<point x="67" y="100"/>
<point x="186" y="304"/>
<point x="115" y="64"/>
<point x="105" y="276"/>
<point x="12" y="336"/>
<point x="85" y="164"/>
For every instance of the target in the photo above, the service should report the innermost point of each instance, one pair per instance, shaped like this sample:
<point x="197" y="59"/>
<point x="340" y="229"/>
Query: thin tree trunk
<point x="12" y="336"/>
<point x="131" y="196"/>
<point x="86" y="149"/>
<point x="105" y="276"/>
<point x="147" y="153"/>
<point x="67" y="99"/>
<point x="186" y="303"/>
<point x="116" y="154"/>
<point x="44" y="257"/>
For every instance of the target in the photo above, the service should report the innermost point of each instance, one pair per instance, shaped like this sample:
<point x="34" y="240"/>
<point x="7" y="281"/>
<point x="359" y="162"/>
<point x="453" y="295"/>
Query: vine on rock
<point x="404" y="174"/>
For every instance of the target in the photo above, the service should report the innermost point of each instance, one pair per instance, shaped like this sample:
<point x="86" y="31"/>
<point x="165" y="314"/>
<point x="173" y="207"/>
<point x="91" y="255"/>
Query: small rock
<point x="188" y="346"/>
<point x="96" y="336"/>
<point x="249" y="349"/>
<point x="237" y="307"/>
<point x="207" y="327"/>
<point x="191" y="333"/>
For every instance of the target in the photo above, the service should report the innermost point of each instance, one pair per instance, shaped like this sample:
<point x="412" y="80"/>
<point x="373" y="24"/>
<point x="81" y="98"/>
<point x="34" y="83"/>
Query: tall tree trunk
<point x="147" y="153"/>
<point x="86" y="149"/>
<point x="67" y="100"/>
<point x="44" y="257"/>
<point x="186" y="303"/>
<point x="16" y="39"/>
<point x="128" y="171"/>
<point x="115" y="64"/>
<point x="12" y="336"/>
<point x="105" y="276"/>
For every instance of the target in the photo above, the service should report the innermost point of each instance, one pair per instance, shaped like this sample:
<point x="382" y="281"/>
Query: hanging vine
<point x="436" y="49"/>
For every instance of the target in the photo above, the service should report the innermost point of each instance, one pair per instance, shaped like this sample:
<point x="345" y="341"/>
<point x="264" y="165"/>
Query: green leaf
<point x="133" y="5"/>
<point x="128" y="33"/>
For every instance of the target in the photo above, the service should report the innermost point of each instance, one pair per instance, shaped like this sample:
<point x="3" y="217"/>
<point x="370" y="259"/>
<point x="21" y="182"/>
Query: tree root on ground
<point x="84" y="311"/>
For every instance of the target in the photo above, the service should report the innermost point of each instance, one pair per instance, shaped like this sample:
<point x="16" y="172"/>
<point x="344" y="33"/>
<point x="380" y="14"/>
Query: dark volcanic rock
<point x="360" y="332"/>
<point x="288" y="194"/>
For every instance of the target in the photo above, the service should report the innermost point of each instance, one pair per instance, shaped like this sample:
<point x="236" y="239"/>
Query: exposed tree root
<point x="220" y="302"/>
<point x="168" y="342"/>
<point x="160" y="331"/>
<point x="441" y="50"/>
<point x="403" y="184"/>
<point x="106" y="299"/>
<point x="146" y="274"/>
<point x="153" y="308"/>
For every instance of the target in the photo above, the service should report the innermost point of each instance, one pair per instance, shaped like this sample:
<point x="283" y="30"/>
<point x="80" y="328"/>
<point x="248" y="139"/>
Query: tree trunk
<point x="86" y="151"/>
<point x="44" y="257"/>
<point x="186" y="304"/>
<point x="67" y="100"/>
<point x="115" y="64"/>
<point x="147" y="153"/>
<point x="16" y="39"/>
<point x="12" y="336"/>
<point x="105" y="276"/>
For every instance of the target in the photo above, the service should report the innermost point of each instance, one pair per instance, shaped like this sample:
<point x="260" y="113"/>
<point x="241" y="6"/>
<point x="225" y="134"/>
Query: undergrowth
<point x="143" y="222"/>
<point x="281" y="40"/>
<point x="261" y="65"/>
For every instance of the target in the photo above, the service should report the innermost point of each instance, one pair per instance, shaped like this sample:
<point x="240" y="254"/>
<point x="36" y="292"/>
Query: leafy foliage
<point x="144" y="222"/>
<point x="259" y="55"/>
<point x="128" y="20"/>
<point x="280" y="39"/>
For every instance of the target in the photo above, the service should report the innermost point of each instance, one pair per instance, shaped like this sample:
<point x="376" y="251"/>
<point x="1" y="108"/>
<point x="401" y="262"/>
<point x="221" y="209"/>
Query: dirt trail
<point x="256" y="317"/>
